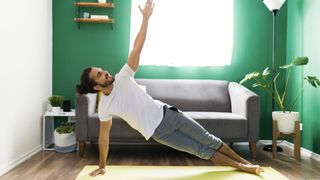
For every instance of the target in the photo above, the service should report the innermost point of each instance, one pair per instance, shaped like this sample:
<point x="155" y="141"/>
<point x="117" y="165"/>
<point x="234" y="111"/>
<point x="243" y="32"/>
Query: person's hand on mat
<point x="98" y="171"/>
<point x="148" y="9"/>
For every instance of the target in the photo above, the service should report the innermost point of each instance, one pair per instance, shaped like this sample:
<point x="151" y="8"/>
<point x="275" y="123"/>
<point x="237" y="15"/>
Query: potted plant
<point x="64" y="138"/>
<point x="285" y="117"/>
<point x="56" y="102"/>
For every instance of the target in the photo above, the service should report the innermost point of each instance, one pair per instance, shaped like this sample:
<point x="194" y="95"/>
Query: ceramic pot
<point x="65" y="142"/>
<point x="285" y="120"/>
<point x="55" y="109"/>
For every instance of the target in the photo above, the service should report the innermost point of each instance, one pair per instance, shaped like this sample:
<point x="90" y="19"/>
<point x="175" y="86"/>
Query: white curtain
<point x="186" y="32"/>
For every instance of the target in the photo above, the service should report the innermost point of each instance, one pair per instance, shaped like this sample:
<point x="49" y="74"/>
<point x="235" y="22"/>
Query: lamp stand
<point x="274" y="13"/>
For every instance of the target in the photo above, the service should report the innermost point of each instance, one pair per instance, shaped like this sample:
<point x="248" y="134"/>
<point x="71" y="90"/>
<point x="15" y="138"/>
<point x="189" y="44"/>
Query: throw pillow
<point x="99" y="94"/>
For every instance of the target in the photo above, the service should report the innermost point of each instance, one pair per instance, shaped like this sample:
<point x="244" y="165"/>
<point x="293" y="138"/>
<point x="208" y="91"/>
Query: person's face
<point x="101" y="77"/>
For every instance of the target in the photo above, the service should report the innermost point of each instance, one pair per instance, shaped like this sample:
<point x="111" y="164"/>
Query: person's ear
<point x="97" y="87"/>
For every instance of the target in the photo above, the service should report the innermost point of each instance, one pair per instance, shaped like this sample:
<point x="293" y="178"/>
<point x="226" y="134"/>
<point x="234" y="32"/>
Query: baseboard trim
<point x="19" y="160"/>
<point x="304" y="152"/>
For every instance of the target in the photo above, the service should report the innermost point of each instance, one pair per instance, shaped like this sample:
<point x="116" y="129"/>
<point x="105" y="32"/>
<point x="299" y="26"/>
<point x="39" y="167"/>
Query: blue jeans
<point x="183" y="133"/>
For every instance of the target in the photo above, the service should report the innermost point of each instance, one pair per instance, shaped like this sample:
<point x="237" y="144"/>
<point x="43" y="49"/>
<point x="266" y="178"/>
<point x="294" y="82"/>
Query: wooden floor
<point x="51" y="165"/>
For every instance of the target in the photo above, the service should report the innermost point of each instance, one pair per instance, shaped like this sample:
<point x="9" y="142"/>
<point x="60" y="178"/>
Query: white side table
<point x="48" y="128"/>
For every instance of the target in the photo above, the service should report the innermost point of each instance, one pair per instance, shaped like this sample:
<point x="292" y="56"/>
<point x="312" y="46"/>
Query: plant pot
<point x="65" y="142"/>
<point x="285" y="120"/>
<point x="55" y="109"/>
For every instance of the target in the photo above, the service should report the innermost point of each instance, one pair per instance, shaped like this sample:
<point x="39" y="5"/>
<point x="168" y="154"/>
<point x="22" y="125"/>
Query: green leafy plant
<point x="56" y="100"/>
<point x="262" y="81"/>
<point x="65" y="128"/>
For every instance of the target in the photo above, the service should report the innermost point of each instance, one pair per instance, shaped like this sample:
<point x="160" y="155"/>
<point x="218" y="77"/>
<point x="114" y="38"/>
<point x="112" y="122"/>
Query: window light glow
<point x="186" y="32"/>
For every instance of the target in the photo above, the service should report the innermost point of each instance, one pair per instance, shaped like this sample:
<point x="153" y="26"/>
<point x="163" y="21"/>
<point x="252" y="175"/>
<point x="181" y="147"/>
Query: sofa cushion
<point x="93" y="125"/>
<point x="99" y="94"/>
<point x="215" y="122"/>
<point x="219" y="123"/>
<point x="120" y="128"/>
<point x="190" y="95"/>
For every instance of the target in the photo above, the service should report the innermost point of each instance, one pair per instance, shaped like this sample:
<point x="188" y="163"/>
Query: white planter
<point x="285" y="120"/>
<point x="55" y="109"/>
<point x="64" y="142"/>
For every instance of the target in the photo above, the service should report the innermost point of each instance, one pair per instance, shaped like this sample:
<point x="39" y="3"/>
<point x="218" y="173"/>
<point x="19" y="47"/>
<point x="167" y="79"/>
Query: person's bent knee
<point x="220" y="146"/>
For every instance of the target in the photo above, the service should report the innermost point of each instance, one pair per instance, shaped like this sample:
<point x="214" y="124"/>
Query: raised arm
<point x="133" y="60"/>
<point x="104" y="132"/>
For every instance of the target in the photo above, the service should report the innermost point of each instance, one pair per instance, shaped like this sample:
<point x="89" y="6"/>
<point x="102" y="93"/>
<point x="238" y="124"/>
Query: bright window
<point x="186" y="32"/>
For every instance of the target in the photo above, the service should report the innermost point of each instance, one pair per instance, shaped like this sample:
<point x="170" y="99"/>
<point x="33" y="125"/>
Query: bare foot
<point x="254" y="169"/>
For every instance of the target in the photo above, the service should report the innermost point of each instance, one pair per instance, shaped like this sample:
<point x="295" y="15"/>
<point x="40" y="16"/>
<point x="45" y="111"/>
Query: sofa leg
<point x="82" y="147"/>
<point x="253" y="149"/>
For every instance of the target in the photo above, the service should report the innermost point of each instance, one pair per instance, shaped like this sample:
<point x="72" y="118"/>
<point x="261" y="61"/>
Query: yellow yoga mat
<point x="176" y="173"/>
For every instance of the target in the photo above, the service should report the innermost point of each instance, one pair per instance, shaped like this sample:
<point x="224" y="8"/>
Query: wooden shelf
<point x="94" y="4"/>
<point x="80" y="20"/>
<point x="93" y="20"/>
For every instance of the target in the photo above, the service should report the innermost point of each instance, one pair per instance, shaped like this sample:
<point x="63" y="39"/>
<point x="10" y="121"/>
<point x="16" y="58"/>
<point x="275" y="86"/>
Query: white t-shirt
<point x="130" y="102"/>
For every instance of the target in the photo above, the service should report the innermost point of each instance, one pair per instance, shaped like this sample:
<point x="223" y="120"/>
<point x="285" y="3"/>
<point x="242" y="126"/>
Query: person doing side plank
<point x="123" y="97"/>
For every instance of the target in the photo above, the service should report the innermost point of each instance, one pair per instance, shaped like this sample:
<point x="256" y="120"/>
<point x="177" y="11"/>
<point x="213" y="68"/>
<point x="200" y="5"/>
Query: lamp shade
<point x="273" y="4"/>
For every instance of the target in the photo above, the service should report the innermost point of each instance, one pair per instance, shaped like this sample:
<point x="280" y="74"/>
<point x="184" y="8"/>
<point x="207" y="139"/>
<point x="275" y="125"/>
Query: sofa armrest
<point x="85" y="106"/>
<point x="246" y="103"/>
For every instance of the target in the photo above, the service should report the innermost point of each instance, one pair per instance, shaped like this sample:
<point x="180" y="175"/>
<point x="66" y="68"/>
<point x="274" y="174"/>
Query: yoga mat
<point x="176" y="173"/>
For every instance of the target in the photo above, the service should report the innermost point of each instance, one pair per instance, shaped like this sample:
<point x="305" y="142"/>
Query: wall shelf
<point x="94" y="4"/>
<point x="93" y="20"/>
<point x="80" y="5"/>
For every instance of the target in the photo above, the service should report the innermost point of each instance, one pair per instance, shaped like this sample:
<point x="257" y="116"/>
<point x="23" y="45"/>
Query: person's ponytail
<point x="80" y="90"/>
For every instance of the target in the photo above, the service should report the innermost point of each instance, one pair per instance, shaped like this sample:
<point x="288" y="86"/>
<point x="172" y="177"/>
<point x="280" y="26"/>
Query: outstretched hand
<point x="148" y="9"/>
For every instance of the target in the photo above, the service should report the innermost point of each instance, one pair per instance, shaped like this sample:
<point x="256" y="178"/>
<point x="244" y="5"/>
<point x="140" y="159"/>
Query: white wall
<point x="25" y="77"/>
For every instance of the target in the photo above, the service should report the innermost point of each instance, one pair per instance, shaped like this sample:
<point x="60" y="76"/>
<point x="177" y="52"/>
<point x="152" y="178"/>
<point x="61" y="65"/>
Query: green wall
<point x="302" y="39"/>
<point x="99" y="45"/>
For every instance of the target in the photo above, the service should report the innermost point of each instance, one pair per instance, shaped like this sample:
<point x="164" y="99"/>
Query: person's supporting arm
<point x="133" y="60"/>
<point x="104" y="132"/>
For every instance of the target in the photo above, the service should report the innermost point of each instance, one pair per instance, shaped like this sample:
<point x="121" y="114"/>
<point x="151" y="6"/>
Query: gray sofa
<point x="226" y="109"/>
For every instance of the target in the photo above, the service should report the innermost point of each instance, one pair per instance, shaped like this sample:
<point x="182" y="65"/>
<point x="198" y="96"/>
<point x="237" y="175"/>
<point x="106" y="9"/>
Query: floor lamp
<point x="274" y="6"/>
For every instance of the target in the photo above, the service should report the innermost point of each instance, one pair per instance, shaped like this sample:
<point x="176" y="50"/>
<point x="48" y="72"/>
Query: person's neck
<point x="107" y="90"/>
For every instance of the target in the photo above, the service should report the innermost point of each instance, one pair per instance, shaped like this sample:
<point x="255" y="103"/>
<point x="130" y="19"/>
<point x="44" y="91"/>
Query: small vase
<point x="285" y="120"/>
